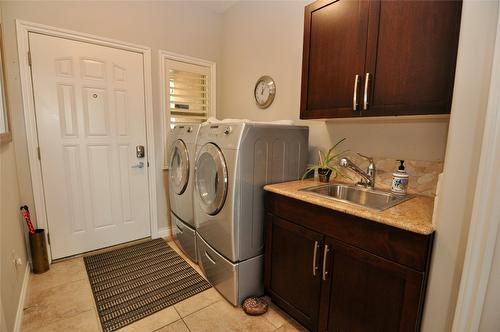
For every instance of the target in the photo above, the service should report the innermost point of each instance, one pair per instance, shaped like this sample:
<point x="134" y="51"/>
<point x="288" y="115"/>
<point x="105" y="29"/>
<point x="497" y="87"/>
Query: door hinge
<point x="147" y="163"/>
<point x="29" y="58"/>
<point x="48" y="237"/>
<point x="38" y="153"/>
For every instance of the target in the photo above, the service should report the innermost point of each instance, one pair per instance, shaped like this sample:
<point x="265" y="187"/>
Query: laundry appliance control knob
<point x="227" y="130"/>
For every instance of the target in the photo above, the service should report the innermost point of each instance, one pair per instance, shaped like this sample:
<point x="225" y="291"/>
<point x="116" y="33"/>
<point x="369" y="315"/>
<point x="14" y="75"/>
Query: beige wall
<point x="11" y="237"/>
<point x="454" y="205"/>
<point x="490" y="319"/>
<point x="265" y="37"/>
<point x="3" y="323"/>
<point x="182" y="27"/>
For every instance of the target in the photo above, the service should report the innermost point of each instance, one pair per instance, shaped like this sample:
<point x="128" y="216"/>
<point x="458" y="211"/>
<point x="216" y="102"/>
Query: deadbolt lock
<point x="139" y="151"/>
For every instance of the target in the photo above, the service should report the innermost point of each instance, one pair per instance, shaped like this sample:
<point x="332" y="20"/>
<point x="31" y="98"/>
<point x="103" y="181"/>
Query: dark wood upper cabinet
<point x="379" y="58"/>
<point x="334" y="33"/>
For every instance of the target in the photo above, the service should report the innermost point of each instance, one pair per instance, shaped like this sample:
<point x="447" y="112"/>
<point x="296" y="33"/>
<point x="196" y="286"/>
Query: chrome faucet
<point x="368" y="177"/>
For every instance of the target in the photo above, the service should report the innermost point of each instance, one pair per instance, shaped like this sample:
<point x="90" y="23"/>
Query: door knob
<point x="139" y="165"/>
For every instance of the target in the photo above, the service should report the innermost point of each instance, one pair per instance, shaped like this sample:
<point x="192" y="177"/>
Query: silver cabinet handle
<point x="325" y="254"/>
<point x="315" y="267"/>
<point x="355" y="95"/>
<point x="140" y="164"/>
<point x="365" y="96"/>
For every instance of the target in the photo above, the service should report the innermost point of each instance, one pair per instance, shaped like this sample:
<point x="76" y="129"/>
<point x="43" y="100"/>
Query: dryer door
<point x="179" y="167"/>
<point x="211" y="178"/>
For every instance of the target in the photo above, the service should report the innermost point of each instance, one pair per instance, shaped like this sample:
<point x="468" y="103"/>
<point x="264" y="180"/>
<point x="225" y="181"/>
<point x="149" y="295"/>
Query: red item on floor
<point x="27" y="218"/>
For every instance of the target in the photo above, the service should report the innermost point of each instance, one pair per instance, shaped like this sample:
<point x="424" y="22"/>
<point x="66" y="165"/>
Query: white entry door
<point x="90" y="114"/>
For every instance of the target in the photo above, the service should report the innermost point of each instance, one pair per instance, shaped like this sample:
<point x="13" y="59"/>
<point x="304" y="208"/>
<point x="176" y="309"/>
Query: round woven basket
<point x="255" y="306"/>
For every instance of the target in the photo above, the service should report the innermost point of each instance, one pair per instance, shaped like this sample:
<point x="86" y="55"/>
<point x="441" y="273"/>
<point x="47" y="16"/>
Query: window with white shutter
<point x="189" y="95"/>
<point x="188" y="92"/>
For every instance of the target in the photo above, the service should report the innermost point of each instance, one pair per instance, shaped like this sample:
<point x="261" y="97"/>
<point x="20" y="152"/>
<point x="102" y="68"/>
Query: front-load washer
<point x="181" y="179"/>
<point x="233" y="163"/>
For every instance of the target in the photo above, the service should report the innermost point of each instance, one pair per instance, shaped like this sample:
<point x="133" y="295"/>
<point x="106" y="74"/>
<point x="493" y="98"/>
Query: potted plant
<point x="324" y="166"/>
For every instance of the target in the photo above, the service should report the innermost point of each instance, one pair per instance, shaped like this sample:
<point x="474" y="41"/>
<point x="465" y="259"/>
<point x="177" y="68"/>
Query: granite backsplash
<point x="423" y="174"/>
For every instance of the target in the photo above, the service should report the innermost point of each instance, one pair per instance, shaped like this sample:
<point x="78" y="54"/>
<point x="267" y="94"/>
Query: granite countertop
<point x="414" y="215"/>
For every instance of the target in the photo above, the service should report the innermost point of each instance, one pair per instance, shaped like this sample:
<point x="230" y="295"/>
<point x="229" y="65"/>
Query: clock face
<point x="264" y="91"/>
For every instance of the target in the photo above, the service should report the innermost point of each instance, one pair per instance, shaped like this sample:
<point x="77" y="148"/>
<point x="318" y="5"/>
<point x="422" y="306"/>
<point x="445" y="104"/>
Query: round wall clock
<point x="264" y="91"/>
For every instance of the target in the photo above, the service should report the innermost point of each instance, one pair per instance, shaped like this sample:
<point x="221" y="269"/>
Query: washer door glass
<point x="179" y="167"/>
<point x="211" y="178"/>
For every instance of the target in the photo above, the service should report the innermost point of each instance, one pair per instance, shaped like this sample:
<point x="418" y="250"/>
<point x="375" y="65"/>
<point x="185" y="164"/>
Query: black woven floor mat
<point x="134" y="282"/>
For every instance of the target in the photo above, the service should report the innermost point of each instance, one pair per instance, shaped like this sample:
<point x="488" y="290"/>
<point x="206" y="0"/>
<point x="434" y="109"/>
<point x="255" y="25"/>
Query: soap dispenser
<point x="400" y="180"/>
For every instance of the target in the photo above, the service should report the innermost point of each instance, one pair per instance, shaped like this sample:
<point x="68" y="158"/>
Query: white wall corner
<point x="454" y="210"/>
<point x="22" y="298"/>
<point x="165" y="233"/>
<point x="485" y="219"/>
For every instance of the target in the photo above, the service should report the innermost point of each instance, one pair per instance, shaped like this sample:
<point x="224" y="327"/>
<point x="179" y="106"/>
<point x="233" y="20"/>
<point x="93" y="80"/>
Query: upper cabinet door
<point x="411" y="56"/>
<point x="374" y="58"/>
<point x="335" y="34"/>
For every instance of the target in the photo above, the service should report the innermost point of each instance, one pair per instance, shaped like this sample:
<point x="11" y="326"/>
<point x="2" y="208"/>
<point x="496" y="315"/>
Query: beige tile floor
<point x="61" y="300"/>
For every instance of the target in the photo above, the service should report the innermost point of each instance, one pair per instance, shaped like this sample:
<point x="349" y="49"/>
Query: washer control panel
<point x="217" y="130"/>
<point x="187" y="132"/>
<point x="225" y="135"/>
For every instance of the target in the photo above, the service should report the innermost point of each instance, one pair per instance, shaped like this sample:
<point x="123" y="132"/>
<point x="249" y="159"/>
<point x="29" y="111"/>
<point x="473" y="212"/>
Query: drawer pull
<point x="315" y="267"/>
<point x="355" y="95"/>
<point x="325" y="254"/>
<point x="365" y="96"/>
<point x="209" y="258"/>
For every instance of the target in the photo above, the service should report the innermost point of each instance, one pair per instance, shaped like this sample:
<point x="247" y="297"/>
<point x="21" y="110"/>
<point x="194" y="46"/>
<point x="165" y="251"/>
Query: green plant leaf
<point x="325" y="160"/>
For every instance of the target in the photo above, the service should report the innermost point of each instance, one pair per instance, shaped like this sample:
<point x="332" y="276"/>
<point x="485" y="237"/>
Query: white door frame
<point x="23" y="28"/>
<point x="485" y="218"/>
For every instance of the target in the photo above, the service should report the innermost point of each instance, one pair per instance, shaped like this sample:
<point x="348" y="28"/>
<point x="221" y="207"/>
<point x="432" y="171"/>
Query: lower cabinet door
<point x="364" y="292"/>
<point x="292" y="269"/>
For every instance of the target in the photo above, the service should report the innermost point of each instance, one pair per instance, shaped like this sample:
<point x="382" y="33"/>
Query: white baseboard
<point x="165" y="233"/>
<point x="22" y="298"/>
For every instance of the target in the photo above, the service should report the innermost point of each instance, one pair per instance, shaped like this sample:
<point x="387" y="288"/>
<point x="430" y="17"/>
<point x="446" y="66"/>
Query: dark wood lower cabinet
<point x="368" y="291"/>
<point x="294" y="285"/>
<point x="329" y="284"/>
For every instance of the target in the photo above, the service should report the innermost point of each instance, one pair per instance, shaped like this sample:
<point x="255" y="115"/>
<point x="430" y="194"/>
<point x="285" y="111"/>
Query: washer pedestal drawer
<point x="235" y="282"/>
<point x="184" y="237"/>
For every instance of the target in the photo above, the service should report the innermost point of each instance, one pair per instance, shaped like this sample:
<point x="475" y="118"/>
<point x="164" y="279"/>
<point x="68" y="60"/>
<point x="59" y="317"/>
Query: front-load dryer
<point x="233" y="163"/>
<point x="181" y="179"/>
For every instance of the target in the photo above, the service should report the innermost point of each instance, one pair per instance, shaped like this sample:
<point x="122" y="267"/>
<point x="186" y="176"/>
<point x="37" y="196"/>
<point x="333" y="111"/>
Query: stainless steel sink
<point x="369" y="198"/>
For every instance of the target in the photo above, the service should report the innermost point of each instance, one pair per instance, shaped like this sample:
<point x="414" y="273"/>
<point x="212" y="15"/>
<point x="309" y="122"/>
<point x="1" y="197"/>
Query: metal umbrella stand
<point x="38" y="246"/>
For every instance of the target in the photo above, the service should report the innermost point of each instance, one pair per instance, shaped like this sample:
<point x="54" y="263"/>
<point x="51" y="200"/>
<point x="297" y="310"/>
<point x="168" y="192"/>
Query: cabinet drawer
<point x="185" y="237"/>
<point x="235" y="281"/>
<point x="403" y="247"/>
